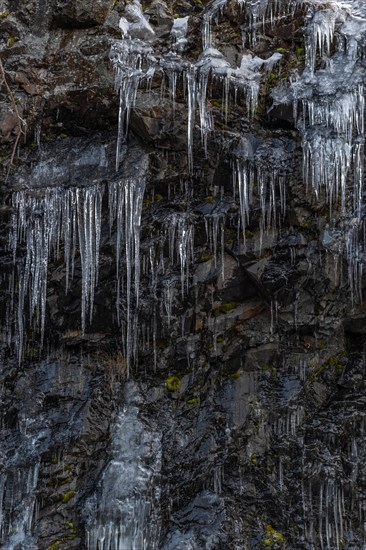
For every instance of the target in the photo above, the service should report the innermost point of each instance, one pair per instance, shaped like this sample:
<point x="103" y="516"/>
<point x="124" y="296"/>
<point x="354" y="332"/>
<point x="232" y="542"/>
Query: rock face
<point x="182" y="343"/>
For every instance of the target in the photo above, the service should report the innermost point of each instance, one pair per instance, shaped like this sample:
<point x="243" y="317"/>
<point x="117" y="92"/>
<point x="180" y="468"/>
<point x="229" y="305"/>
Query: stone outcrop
<point x="244" y="407"/>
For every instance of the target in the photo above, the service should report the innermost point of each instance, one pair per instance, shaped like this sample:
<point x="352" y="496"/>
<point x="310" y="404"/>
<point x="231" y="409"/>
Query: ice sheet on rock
<point x="135" y="24"/>
<point x="125" y="513"/>
<point x="357" y="8"/>
<point x="179" y="33"/>
<point x="17" y="507"/>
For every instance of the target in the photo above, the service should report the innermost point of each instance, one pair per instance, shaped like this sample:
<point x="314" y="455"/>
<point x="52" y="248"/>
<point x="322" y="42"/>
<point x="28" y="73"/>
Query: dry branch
<point x="21" y="124"/>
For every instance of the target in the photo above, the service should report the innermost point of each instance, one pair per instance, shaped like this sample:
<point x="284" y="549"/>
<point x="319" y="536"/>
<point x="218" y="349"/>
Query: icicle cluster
<point x="257" y="14"/>
<point x="260" y="175"/>
<point x="125" y="205"/>
<point x="53" y="221"/>
<point x="134" y="62"/>
<point x="330" y="101"/>
<point x="180" y="236"/>
<point x="43" y="221"/>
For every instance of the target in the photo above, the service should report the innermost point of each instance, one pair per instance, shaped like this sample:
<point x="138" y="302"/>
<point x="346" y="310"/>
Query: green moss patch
<point x="67" y="496"/>
<point x="173" y="383"/>
<point x="273" y="537"/>
<point x="193" y="401"/>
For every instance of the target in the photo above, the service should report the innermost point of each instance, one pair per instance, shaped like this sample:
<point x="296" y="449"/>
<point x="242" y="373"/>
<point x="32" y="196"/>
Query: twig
<point x="21" y="124"/>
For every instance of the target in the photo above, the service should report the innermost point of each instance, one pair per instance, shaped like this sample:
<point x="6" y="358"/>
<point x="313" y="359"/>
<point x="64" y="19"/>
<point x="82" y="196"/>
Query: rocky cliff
<point x="182" y="227"/>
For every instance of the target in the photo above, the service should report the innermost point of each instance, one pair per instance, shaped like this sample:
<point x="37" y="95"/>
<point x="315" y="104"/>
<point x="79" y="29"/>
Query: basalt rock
<point x="182" y="327"/>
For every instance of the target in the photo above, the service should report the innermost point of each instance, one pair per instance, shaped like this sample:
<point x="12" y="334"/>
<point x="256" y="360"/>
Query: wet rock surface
<point x="242" y="422"/>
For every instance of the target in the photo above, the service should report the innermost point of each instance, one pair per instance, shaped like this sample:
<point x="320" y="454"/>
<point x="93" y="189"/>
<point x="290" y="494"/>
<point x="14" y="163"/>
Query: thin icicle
<point x="133" y="63"/>
<point x="191" y="92"/>
<point x="41" y="222"/>
<point x="89" y="206"/>
<point x="125" y="206"/>
<point x="180" y="235"/>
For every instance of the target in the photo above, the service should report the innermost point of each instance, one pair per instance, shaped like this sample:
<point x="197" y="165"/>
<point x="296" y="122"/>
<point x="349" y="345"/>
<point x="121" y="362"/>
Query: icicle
<point x="43" y="221"/>
<point x="191" y="92"/>
<point x="89" y="207"/>
<point x="320" y="35"/>
<point x="215" y="232"/>
<point x="180" y="236"/>
<point x="168" y="296"/>
<point x="125" y="206"/>
<point x="242" y="175"/>
<point x="205" y="118"/>
<point x="172" y="66"/>
<point x="215" y="8"/>
<point x="133" y="63"/>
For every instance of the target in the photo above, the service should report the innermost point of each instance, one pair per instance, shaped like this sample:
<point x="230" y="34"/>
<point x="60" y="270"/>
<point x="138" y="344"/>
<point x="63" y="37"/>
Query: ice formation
<point x="125" y="205"/>
<point x="135" y="61"/>
<point x="44" y="219"/>
<point x="56" y="220"/>
<point x="328" y="98"/>
<point x="125" y="516"/>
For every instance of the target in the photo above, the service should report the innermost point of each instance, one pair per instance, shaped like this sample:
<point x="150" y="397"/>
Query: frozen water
<point x="133" y="62"/>
<point x="41" y="222"/>
<point x="124" y="514"/>
<point x="56" y="220"/>
<point x="330" y="99"/>
<point x="180" y="236"/>
<point x="17" y="506"/>
<point x="135" y="24"/>
<point x="125" y="206"/>
<point x="179" y="33"/>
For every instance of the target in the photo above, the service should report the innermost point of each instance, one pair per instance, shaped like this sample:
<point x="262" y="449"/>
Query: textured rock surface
<point x="261" y="442"/>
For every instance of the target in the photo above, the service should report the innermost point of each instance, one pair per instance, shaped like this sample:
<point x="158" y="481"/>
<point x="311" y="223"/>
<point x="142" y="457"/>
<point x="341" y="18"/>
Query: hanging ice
<point x="124" y="515"/>
<point x="179" y="33"/>
<point x="43" y="221"/>
<point x="133" y="63"/>
<point x="331" y="103"/>
<point x="125" y="206"/>
<point x="17" y="506"/>
<point x="261" y="172"/>
<point x="89" y="210"/>
<point x="256" y="13"/>
<point x="180" y="236"/>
